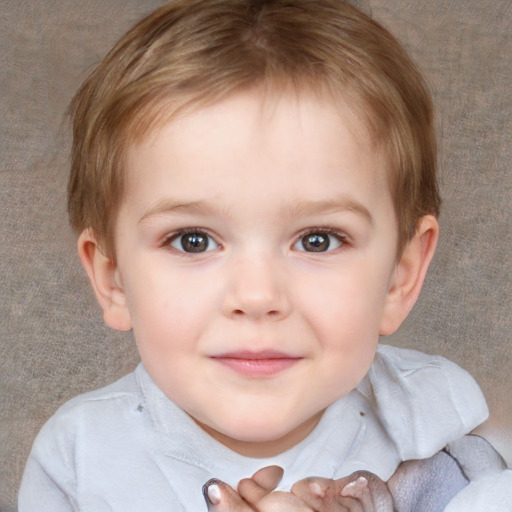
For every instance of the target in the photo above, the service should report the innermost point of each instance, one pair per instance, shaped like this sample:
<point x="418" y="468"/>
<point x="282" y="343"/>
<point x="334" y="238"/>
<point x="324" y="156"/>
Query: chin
<point x="270" y="428"/>
<point x="256" y="432"/>
<point x="263" y="437"/>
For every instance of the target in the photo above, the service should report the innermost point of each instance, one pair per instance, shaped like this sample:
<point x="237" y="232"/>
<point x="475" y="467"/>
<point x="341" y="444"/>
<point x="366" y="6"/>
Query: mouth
<point x="257" y="364"/>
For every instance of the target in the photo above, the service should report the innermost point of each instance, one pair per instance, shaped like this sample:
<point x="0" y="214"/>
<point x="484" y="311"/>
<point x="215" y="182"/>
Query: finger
<point x="323" y="495"/>
<point x="370" y="490"/>
<point x="359" y="489"/>
<point x="279" y="501"/>
<point x="268" y="477"/>
<point x="220" y="497"/>
<point x="311" y="490"/>
<point x="260" y="484"/>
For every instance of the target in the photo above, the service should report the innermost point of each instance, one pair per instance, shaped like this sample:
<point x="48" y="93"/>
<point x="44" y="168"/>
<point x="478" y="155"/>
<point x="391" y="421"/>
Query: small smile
<point x="257" y="364"/>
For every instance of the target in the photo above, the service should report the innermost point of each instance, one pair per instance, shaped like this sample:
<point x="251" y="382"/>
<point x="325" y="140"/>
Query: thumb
<point x="260" y="484"/>
<point x="220" y="497"/>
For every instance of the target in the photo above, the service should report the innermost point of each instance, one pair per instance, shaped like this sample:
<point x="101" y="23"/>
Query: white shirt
<point x="127" y="447"/>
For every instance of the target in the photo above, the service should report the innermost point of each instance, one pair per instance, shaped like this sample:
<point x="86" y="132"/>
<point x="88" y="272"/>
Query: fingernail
<point x="211" y="492"/>
<point x="354" y="488"/>
<point x="316" y="489"/>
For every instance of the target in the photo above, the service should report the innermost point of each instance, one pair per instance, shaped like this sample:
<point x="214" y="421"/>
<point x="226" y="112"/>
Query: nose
<point x="256" y="289"/>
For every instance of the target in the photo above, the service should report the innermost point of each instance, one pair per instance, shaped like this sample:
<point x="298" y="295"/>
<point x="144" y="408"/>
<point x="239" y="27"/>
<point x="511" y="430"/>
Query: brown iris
<point x="316" y="242"/>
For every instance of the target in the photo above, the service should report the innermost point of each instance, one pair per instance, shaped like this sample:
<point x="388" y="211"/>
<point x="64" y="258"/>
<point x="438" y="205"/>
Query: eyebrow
<point x="342" y="204"/>
<point x="169" y="207"/>
<point x="298" y="208"/>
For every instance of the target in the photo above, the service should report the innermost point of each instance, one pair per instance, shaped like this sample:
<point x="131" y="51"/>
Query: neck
<point x="265" y="449"/>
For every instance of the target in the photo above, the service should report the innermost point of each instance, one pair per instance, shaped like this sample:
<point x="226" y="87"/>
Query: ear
<point x="106" y="282"/>
<point x="409" y="275"/>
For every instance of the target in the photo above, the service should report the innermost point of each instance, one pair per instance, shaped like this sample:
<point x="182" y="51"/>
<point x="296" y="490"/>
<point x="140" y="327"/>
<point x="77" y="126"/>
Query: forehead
<point x="256" y="128"/>
<point x="297" y="153"/>
<point x="311" y="109"/>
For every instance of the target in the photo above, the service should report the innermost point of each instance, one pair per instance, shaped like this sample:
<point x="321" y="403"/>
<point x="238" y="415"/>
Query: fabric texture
<point x="53" y="344"/>
<point x="490" y="486"/>
<point x="452" y="479"/>
<point x="127" y="447"/>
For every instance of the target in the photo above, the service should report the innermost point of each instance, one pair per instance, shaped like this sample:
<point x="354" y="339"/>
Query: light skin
<point x="256" y="263"/>
<point x="359" y="492"/>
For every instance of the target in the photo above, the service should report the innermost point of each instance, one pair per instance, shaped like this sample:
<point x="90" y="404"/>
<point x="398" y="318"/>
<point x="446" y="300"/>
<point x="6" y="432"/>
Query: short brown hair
<point x="194" y="52"/>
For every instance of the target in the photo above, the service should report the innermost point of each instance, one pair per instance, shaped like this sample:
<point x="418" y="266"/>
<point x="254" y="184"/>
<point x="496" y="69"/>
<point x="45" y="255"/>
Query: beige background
<point x="53" y="344"/>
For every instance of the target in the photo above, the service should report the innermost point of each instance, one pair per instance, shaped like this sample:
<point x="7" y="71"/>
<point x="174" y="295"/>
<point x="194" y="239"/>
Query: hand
<point x="254" y="494"/>
<point x="360" y="492"/>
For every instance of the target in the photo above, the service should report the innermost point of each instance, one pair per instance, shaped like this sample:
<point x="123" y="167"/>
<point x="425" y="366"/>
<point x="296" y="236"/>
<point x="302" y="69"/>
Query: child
<point x="253" y="184"/>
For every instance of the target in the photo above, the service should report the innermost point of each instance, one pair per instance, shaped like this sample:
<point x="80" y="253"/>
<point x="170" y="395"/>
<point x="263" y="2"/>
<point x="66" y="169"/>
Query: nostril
<point x="241" y="312"/>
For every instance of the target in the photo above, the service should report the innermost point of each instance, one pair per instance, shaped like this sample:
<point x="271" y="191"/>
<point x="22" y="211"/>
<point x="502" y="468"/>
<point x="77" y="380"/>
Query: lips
<point x="257" y="364"/>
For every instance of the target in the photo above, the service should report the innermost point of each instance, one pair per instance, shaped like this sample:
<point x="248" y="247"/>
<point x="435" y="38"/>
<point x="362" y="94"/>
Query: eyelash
<point x="341" y="237"/>
<point x="169" y="239"/>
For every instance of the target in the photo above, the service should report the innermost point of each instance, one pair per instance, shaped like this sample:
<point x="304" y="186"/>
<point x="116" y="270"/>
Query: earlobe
<point x="410" y="274"/>
<point x="105" y="281"/>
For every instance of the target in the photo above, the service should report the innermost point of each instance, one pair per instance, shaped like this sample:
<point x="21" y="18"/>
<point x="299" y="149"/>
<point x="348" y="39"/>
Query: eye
<point x="193" y="242"/>
<point x="319" y="241"/>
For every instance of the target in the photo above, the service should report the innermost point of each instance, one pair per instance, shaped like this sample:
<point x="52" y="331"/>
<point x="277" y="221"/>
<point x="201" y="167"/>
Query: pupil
<point x="316" y="243"/>
<point x="194" y="242"/>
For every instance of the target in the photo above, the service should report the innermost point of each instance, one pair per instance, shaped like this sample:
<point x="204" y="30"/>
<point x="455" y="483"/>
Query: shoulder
<point x="423" y="401"/>
<point x="87" y="412"/>
<point x="123" y="392"/>
<point x="50" y="476"/>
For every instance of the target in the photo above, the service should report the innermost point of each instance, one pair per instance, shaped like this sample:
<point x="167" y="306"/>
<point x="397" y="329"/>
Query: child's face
<point x="256" y="246"/>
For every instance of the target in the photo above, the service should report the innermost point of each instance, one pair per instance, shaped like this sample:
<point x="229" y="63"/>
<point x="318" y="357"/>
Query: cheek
<point x="344" y="314"/>
<point x="167" y="307"/>
<point x="347" y="304"/>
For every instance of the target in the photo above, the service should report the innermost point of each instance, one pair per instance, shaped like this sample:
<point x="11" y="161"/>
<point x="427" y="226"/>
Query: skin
<point x="257" y="334"/>
<point x="359" y="492"/>
<point x="426" y="485"/>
